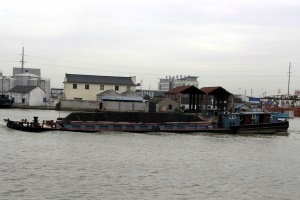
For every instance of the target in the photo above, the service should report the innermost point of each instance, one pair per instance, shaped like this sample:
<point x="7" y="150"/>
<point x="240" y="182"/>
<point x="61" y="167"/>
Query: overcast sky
<point x="242" y="46"/>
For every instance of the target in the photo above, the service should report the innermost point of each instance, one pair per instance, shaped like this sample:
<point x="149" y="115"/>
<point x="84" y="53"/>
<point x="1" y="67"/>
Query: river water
<point x="109" y="165"/>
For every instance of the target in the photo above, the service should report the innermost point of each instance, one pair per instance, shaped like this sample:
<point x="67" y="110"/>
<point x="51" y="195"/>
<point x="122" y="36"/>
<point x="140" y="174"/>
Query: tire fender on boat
<point x="156" y="128"/>
<point x="10" y="123"/>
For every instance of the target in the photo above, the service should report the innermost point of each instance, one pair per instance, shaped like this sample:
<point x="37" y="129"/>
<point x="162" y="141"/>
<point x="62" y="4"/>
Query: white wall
<point x="124" y="106"/>
<point x="36" y="97"/>
<point x="78" y="104"/>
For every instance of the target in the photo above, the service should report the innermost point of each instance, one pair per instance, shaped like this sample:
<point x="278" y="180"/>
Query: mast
<point x="289" y="78"/>
<point x="22" y="61"/>
<point x="22" y="64"/>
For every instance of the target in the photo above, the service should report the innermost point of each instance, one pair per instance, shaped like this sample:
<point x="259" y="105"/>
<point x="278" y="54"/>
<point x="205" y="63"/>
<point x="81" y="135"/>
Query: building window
<point x="170" y="107"/>
<point x="101" y="87"/>
<point x="128" y="88"/>
<point x="87" y="86"/>
<point x="77" y="98"/>
<point x="116" y="88"/>
<point x="74" y="86"/>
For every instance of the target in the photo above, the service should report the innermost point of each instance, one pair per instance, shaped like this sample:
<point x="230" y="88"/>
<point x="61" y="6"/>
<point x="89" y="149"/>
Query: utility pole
<point x="289" y="78"/>
<point x="22" y="65"/>
<point x="22" y="61"/>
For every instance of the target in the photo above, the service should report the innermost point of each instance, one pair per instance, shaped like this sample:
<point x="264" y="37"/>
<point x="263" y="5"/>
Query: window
<point x="77" y="98"/>
<point x="116" y="88"/>
<point x="170" y="107"/>
<point x="101" y="87"/>
<point x="128" y="88"/>
<point x="253" y="117"/>
<point x="74" y="86"/>
<point x="87" y="86"/>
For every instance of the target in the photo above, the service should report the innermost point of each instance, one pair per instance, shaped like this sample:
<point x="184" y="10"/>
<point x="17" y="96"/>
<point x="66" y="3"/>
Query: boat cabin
<point x="226" y="119"/>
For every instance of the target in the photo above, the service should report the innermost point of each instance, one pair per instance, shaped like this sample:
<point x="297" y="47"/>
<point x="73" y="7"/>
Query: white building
<point x="28" y="95"/>
<point x="28" y="79"/>
<point x="31" y="77"/>
<point x="19" y="70"/>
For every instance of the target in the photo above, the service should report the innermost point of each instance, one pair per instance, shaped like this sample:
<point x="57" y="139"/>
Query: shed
<point x="193" y="94"/>
<point x="221" y="98"/>
<point x="163" y="105"/>
<point x="127" y="101"/>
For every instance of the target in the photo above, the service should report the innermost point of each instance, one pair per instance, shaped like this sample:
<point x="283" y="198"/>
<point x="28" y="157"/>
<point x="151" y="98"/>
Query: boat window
<point x="232" y="116"/>
<point x="204" y="112"/>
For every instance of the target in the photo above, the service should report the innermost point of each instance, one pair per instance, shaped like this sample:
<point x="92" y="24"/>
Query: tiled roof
<point x="22" y="89"/>
<point x="157" y="100"/>
<point x="185" y="90"/>
<point x="107" y="80"/>
<point x="177" y="89"/>
<point x="109" y="93"/>
<point x="214" y="90"/>
<point x="209" y="89"/>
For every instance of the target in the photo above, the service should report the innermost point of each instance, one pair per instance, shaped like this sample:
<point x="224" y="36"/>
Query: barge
<point x="219" y="122"/>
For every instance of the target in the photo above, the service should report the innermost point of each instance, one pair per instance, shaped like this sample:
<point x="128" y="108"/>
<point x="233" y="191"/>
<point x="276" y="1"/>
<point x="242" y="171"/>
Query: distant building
<point x="6" y="83"/>
<point x="150" y="93"/>
<point x="168" y="83"/>
<point x="57" y="92"/>
<point x="35" y="71"/>
<point x="30" y="77"/>
<point x="86" y="87"/>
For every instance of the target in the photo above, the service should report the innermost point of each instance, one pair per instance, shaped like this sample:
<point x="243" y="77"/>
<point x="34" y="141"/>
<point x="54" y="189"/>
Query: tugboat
<point x="222" y="122"/>
<point x="34" y="126"/>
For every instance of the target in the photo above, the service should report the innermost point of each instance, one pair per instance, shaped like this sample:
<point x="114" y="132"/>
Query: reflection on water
<point x="70" y="165"/>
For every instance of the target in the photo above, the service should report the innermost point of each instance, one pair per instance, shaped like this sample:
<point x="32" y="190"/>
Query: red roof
<point x="209" y="89"/>
<point x="185" y="90"/>
<point x="212" y="90"/>
<point x="177" y="89"/>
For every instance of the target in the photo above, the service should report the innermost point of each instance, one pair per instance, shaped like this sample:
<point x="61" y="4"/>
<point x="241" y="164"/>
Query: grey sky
<point x="230" y="43"/>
